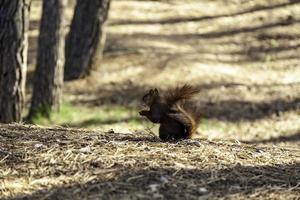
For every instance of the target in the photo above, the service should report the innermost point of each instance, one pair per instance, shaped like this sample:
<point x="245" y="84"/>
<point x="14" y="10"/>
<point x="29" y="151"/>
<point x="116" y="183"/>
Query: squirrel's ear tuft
<point x="155" y="90"/>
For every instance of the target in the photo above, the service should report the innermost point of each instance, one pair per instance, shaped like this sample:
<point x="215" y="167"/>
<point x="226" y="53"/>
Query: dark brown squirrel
<point x="178" y="117"/>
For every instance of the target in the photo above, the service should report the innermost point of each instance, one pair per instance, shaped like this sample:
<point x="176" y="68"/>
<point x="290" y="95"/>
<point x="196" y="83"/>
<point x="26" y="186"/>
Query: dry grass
<point x="59" y="163"/>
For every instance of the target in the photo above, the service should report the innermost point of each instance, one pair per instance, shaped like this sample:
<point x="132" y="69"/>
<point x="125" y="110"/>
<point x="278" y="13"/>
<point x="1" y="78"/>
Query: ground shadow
<point x="230" y="32"/>
<point x="98" y="121"/>
<point x="172" y="183"/>
<point x="224" y="110"/>
<point x="292" y="138"/>
<point x="199" y="19"/>
<point x="209" y="47"/>
<point x="235" y="110"/>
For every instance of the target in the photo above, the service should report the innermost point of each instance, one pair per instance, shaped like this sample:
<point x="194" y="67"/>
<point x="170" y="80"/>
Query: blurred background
<point x="243" y="55"/>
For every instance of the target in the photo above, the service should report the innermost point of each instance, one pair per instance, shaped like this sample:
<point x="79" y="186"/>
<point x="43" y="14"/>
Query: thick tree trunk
<point x="14" y="20"/>
<point x="48" y="77"/>
<point x="84" y="44"/>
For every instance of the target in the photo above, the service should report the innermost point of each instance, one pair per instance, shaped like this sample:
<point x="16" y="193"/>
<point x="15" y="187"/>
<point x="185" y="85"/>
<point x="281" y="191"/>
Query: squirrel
<point x="177" y="115"/>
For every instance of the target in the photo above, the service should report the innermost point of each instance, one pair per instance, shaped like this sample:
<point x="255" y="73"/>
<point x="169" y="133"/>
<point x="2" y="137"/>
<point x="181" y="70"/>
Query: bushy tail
<point x="190" y="123"/>
<point x="184" y="92"/>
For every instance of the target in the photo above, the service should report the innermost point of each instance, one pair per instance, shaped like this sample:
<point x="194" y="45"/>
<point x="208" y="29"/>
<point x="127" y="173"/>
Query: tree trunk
<point x="14" y="23"/>
<point x="48" y="77"/>
<point x="84" y="44"/>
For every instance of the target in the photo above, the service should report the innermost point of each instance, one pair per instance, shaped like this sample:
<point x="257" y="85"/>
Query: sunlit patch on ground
<point x="244" y="56"/>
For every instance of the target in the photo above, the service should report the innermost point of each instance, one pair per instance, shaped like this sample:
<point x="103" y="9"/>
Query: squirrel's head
<point x="157" y="108"/>
<point x="151" y="97"/>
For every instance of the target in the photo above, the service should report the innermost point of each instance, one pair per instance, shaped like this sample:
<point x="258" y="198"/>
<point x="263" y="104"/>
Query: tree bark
<point x="85" y="41"/>
<point x="14" y="23"/>
<point x="48" y="77"/>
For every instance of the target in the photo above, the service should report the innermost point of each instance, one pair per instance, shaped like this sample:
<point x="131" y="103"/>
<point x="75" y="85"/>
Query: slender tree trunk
<point x="48" y="77"/>
<point x="14" y="21"/>
<point x="84" y="44"/>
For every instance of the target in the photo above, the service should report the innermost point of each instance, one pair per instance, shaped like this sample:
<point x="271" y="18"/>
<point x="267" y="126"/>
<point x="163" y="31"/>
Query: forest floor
<point x="61" y="163"/>
<point x="242" y="55"/>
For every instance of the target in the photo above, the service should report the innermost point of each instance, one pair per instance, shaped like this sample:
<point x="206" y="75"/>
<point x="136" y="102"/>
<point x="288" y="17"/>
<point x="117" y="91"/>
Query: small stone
<point x="154" y="187"/>
<point x="39" y="145"/>
<point x="111" y="131"/>
<point x="147" y="149"/>
<point x="164" y="179"/>
<point x="86" y="149"/>
<point x="193" y="142"/>
<point x="203" y="190"/>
